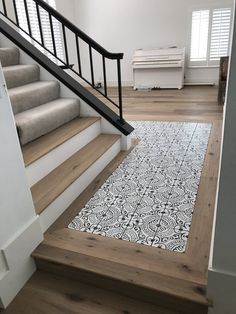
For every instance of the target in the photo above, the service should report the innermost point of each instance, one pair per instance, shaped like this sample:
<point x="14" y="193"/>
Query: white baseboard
<point x="56" y="208"/>
<point x="200" y="84"/>
<point x="221" y="292"/>
<point x="124" y="83"/>
<point x="23" y="243"/>
<point x="15" y="281"/>
<point x="19" y="265"/>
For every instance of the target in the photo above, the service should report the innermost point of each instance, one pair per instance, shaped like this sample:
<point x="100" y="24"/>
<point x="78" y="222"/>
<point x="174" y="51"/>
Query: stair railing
<point x="78" y="35"/>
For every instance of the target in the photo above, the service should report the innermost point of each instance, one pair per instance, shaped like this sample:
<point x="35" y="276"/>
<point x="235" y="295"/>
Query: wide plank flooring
<point x="192" y="103"/>
<point x="52" y="294"/>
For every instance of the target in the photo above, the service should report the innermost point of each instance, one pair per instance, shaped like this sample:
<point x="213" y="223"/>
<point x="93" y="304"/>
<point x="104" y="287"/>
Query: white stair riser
<point x="43" y="166"/>
<point x="56" y="208"/>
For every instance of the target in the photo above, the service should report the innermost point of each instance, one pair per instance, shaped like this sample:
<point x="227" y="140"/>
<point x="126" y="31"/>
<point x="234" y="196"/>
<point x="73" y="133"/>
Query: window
<point x="220" y="33"/>
<point x="199" y="39"/>
<point x="210" y="36"/>
<point x="45" y="27"/>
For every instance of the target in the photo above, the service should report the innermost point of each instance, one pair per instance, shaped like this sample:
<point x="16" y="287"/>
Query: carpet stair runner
<point x="37" y="105"/>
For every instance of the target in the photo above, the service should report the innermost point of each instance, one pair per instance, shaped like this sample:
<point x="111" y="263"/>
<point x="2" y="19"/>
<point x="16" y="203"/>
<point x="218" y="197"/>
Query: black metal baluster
<point x="104" y="75"/>
<point x="52" y="35"/>
<point x="16" y="13"/>
<point x="66" y="26"/>
<point x="78" y="55"/>
<point x="4" y="7"/>
<point x="40" y="24"/>
<point x="91" y="64"/>
<point x="120" y="91"/>
<point x="27" y="17"/>
<point x="65" y="44"/>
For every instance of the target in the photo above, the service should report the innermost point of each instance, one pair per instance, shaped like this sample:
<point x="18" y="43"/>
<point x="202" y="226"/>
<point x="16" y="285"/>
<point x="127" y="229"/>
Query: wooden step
<point x="56" y="182"/>
<point x="40" y="147"/>
<point x="73" y="254"/>
<point x="48" y="293"/>
<point x="143" y="256"/>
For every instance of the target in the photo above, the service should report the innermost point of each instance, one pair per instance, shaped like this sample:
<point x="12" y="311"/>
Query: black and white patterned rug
<point x="150" y="197"/>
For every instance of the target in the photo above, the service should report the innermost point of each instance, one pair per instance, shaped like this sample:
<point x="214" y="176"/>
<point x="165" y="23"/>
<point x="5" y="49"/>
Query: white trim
<point x="221" y="291"/>
<point x="200" y="84"/>
<point x="19" y="265"/>
<point x="11" y="284"/>
<point x="222" y="272"/>
<point x="211" y="7"/>
<point x="23" y="243"/>
<point x="202" y="66"/>
<point x="20" y="229"/>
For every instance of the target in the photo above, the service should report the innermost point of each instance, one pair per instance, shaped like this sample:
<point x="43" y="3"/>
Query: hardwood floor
<point x="171" y="275"/>
<point x="53" y="294"/>
<point x="191" y="103"/>
<point x="196" y="103"/>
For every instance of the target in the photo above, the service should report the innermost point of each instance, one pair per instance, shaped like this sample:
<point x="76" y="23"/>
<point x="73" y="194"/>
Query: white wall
<point x="222" y="268"/>
<point x="66" y="8"/>
<point x="125" y="25"/>
<point x="20" y="230"/>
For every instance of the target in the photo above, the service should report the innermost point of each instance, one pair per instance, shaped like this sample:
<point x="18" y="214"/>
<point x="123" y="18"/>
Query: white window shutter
<point x="220" y="33"/>
<point x="200" y="34"/>
<point x="45" y="27"/>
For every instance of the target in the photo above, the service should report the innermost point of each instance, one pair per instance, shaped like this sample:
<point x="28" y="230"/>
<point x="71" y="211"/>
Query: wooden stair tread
<point x="46" y="143"/>
<point x="56" y="182"/>
<point x="143" y="256"/>
<point x="52" y="252"/>
<point x="48" y="293"/>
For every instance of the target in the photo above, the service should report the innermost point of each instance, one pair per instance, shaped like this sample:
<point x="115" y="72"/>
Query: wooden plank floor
<point x="190" y="104"/>
<point x="53" y="294"/>
<point x="196" y="103"/>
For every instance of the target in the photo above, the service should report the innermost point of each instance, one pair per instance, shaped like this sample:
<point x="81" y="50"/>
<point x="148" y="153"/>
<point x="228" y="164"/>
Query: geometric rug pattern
<point x="149" y="199"/>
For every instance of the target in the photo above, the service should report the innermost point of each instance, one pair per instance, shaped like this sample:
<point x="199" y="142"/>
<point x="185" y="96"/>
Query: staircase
<point x="37" y="105"/>
<point x="63" y="152"/>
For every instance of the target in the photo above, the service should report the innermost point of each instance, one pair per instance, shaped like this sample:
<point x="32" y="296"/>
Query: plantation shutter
<point x="220" y="33"/>
<point x="200" y="33"/>
<point x="45" y="27"/>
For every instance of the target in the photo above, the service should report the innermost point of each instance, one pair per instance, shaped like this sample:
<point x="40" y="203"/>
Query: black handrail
<point x="78" y="32"/>
<point x="66" y="79"/>
<point x="78" y="36"/>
